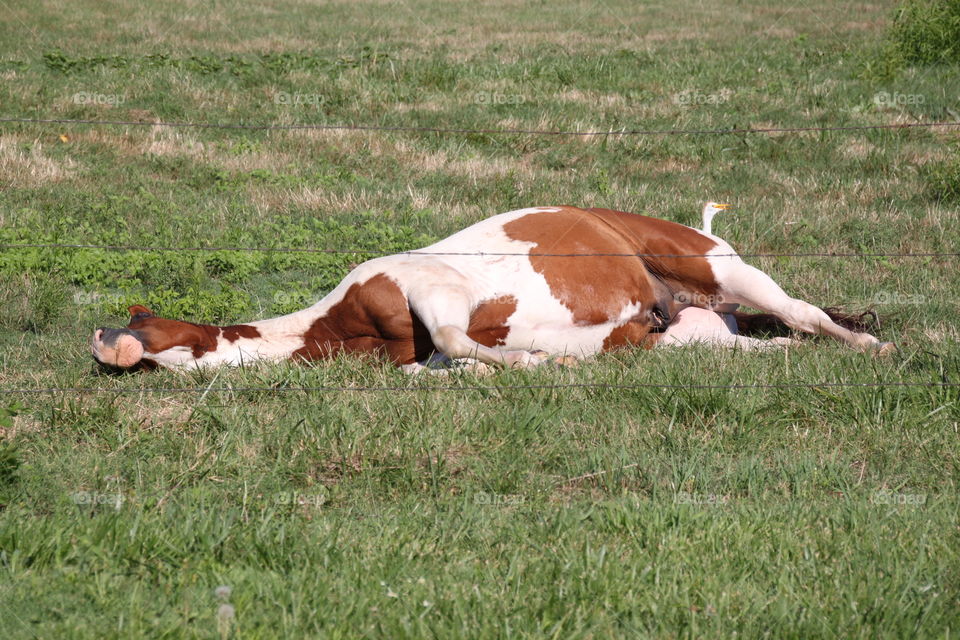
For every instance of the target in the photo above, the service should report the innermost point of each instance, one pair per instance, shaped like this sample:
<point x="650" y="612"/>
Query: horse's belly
<point x="559" y="339"/>
<point x="695" y="325"/>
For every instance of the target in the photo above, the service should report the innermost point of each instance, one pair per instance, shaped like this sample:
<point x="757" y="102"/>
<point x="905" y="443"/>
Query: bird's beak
<point x="722" y="206"/>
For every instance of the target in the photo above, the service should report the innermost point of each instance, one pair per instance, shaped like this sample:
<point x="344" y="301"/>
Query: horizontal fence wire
<point x="452" y="130"/>
<point x="414" y="388"/>
<point x="418" y="252"/>
<point x="612" y="132"/>
<point x="458" y="130"/>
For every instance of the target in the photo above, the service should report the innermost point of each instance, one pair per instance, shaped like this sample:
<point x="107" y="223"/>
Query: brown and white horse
<point x="518" y="289"/>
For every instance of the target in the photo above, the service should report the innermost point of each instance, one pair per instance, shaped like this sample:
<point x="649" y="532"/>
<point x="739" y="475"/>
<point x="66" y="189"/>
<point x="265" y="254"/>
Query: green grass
<point x="585" y="512"/>
<point x="926" y="31"/>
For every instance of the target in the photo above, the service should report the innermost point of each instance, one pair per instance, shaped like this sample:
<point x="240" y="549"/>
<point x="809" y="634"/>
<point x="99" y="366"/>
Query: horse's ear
<point x="139" y="311"/>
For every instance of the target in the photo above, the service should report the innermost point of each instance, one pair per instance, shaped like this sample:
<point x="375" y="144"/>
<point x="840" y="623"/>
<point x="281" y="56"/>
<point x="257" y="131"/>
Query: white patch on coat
<point x="540" y="321"/>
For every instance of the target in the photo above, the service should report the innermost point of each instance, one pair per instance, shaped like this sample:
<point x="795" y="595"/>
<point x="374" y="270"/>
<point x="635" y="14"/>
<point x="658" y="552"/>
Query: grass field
<point x="583" y="512"/>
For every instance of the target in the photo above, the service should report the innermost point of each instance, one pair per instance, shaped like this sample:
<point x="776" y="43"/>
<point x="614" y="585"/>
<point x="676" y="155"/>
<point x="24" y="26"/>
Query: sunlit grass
<point x="492" y="508"/>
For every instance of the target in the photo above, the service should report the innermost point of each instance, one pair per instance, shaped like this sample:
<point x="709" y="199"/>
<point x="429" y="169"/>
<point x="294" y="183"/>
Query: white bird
<point x="709" y="210"/>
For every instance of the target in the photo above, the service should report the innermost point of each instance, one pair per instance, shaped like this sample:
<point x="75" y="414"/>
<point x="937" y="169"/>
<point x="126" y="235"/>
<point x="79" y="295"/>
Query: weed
<point x="943" y="180"/>
<point x="31" y="302"/>
<point x="927" y="32"/>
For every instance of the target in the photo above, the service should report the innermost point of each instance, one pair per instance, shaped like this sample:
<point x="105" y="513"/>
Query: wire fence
<point x="419" y="252"/>
<point x="363" y="251"/>
<point x="445" y="130"/>
<point x="600" y="386"/>
<point x="479" y="131"/>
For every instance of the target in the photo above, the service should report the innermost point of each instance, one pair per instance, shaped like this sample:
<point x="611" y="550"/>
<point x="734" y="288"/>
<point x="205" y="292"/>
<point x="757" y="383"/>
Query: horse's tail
<point x="769" y="324"/>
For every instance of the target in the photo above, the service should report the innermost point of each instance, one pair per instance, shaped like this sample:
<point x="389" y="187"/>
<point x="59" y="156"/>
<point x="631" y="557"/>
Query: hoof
<point x="566" y="361"/>
<point x="557" y="361"/>
<point x="412" y="369"/>
<point x="527" y="359"/>
<point x="473" y="366"/>
<point x="885" y="349"/>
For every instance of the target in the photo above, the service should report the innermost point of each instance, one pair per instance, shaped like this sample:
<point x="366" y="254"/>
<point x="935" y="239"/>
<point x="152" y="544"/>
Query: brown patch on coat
<point x="375" y="317"/>
<point x="488" y="322"/>
<point x="648" y="236"/>
<point x="633" y="333"/>
<point x="372" y="317"/>
<point x="160" y="334"/>
<point x="237" y="331"/>
<point x="595" y="288"/>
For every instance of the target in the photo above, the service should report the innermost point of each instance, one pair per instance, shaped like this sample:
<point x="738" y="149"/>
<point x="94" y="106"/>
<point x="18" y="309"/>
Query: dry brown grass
<point x="26" y="163"/>
<point x="856" y="148"/>
<point x="321" y="200"/>
<point x="185" y="143"/>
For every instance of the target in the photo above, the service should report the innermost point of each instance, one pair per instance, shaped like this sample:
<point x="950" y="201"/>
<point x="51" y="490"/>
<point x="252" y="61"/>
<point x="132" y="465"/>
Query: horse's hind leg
<point x="445" y="311"/>
<point x="743" y="284"/>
